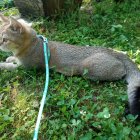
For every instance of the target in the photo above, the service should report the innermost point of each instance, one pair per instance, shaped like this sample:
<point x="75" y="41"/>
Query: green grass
<point x="76" y="108"/>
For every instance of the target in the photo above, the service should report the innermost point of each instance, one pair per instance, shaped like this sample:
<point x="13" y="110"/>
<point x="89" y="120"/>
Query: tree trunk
<point x="52" y="7"/>
<point x="35" y="8"/>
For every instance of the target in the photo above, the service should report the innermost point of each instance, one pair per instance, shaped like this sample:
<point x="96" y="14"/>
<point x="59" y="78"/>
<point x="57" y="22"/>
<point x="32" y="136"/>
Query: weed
<point x="76" y="108"/>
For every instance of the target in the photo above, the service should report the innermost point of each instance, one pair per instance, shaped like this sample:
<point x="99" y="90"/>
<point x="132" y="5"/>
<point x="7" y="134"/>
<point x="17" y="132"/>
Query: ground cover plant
<point x="76" y="108"/>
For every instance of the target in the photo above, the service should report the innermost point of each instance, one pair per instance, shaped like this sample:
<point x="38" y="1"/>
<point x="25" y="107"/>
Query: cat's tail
<point x="133" y="91"/>
<point x="133" y="88"/>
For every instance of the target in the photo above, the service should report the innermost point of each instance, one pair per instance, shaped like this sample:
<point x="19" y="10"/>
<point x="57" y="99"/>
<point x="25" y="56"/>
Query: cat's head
<point x="14" y="34"/>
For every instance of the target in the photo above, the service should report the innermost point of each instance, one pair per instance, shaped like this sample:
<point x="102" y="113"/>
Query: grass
<point x="76" y="108"/>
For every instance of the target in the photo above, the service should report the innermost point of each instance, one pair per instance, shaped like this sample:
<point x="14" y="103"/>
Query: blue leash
<point x="47" y="56"/>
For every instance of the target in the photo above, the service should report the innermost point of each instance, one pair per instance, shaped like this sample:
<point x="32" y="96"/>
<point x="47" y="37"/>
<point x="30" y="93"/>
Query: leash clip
<point x="43" y="38"/>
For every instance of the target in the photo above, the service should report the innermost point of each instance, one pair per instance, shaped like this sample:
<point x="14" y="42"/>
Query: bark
<point x="52" y="7"/>
<point x="35" y="8"/>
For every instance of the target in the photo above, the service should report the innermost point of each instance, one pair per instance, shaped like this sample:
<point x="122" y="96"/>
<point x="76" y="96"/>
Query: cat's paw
<point x="8" y="66"/>
<point x="11" y="59"/>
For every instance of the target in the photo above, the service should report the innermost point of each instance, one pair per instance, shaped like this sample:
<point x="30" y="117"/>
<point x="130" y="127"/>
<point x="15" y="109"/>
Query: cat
<point x="101" y="63"/>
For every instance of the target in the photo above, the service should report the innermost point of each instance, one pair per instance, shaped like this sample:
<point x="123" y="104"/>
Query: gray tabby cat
<point x="101" y="63"/>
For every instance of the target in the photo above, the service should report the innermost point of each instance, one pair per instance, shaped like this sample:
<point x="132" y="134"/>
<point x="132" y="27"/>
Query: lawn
<point x="76" y="108"/>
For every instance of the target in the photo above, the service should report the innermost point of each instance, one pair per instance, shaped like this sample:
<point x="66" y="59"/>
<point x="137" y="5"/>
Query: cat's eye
<point x="13" y="28"/>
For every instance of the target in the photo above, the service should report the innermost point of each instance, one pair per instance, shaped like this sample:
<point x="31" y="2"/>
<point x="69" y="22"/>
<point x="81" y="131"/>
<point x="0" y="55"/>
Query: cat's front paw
<point x="8" y="66"/>
<point x="11" y="59"/>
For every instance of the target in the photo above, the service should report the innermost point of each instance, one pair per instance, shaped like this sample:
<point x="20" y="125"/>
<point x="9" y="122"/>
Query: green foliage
<point x="76" y="108"/>
<point x="6" y="4"/>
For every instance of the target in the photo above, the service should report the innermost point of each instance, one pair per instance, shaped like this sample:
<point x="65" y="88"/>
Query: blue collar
<point x="45" y="44"/>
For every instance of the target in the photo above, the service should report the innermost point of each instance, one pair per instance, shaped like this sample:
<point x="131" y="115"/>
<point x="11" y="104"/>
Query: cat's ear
<point x="3" y="18"/>
<point x="16" y="26"/>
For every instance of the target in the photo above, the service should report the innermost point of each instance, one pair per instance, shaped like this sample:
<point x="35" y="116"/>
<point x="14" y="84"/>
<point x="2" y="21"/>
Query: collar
<point x="45" y="45"/>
